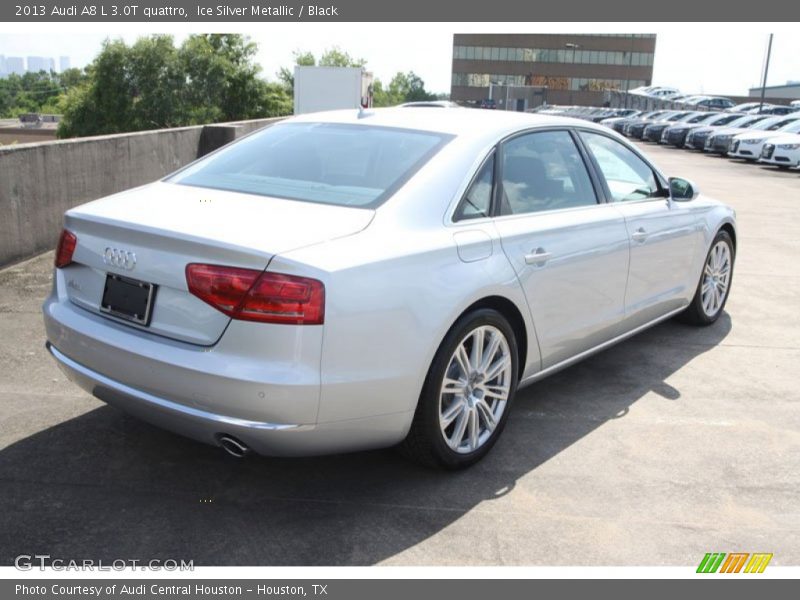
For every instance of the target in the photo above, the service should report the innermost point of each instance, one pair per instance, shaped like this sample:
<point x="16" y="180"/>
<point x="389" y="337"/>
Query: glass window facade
<point x="556" y="83"/>
<point x="550" y="55"/>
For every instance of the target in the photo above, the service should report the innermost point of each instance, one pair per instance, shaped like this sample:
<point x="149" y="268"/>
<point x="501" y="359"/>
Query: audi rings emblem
<point x="122" y="259"/>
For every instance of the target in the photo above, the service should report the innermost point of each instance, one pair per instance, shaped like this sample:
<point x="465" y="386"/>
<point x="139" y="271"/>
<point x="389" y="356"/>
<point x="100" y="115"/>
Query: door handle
<point x="538" y="257"/>
<point x="639" y="235"/>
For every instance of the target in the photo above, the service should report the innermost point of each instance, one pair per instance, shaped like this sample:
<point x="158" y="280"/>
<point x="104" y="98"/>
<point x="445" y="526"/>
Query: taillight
<point x="250" y="295"/>
<point x="66" y="247"/>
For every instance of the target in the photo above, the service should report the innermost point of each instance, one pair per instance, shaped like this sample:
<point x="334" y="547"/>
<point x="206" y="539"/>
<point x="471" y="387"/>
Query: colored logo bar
<point x="734" y="562"/>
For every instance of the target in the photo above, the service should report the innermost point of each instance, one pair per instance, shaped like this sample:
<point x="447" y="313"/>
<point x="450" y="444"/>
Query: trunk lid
<point x="151" y="233"/>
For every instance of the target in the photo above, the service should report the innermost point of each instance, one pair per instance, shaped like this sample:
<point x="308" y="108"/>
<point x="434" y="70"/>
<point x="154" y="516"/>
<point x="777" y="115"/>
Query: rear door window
<point x="543" y="171"/>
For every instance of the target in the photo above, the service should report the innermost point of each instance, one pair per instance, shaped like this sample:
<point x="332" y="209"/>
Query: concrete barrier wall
<point x="39" y="181"/>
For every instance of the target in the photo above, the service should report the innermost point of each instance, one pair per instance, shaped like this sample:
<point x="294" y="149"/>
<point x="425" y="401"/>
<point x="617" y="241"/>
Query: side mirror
<point x="682" y="190"/>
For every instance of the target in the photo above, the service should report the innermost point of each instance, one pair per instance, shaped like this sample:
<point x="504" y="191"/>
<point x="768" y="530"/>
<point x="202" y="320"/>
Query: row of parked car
<point x="766" y="138"/>
<point x="704" y="102"/>
<point x="769" y="139"/>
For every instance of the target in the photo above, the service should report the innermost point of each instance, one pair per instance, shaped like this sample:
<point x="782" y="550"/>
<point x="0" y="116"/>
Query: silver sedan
<point x="361" y="279"/>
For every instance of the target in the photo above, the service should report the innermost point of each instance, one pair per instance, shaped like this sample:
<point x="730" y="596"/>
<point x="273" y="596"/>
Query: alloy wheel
<point x="475" y="389"/>
<point x="716" y="278"/>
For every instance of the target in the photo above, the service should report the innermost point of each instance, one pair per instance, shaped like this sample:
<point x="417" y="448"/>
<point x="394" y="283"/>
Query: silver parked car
<point x="352" y="280"/>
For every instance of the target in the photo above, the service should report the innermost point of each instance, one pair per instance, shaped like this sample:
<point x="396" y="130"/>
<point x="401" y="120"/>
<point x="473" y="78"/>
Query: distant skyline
<point x="686" y="56"/>
<point x="21" y="64"/>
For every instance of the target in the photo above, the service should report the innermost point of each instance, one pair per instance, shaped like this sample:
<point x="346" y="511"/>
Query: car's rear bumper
<point x="269" y="439"/>
<point x="193" y="422"/>
<point x="261" y="385"/>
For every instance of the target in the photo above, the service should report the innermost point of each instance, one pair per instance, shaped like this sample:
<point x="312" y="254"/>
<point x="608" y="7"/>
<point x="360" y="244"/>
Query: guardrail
<point x="41" y="180"/>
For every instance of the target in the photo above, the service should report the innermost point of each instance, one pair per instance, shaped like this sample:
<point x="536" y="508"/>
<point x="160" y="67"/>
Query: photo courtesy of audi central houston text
<point x="376" y="277"/>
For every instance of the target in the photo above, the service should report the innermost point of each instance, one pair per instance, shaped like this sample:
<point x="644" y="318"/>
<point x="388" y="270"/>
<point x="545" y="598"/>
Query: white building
<point x="40" y="63"/>
<point x="791" y="89"/>
<point x="15" y="64"/>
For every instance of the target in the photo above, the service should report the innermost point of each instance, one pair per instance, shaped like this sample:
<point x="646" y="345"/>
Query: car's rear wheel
<point x="467" y="393"/>
<point x="715" y="283"/>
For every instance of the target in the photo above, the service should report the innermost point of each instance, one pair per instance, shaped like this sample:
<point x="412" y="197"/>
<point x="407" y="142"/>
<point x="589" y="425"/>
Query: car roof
<point x="462" y="123"/>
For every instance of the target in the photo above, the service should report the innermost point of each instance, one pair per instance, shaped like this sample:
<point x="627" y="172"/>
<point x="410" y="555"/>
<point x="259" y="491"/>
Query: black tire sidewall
<point x="429" y="399"/>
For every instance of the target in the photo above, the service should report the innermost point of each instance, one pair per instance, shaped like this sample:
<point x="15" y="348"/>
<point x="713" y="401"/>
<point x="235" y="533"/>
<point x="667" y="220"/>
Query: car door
<point x="570" y="251"/>
<point x="663" y="234"/>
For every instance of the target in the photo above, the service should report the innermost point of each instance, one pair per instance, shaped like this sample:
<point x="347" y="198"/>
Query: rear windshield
<point x="330" y="163"/>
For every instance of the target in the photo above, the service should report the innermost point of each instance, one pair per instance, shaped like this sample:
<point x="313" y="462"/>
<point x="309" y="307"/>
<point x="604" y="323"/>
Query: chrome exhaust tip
<point x="234" y="447"/>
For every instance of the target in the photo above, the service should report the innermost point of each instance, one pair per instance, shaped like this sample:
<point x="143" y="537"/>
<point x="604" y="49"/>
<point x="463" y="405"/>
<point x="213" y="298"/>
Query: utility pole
<point x="628" y="79"/>
<point x="766" y="70"/>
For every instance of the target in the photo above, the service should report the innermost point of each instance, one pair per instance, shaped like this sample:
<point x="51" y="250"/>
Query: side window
<point x="543" y="171"/>
<point x="477" y="200"/>
<point x="628" y="176"/>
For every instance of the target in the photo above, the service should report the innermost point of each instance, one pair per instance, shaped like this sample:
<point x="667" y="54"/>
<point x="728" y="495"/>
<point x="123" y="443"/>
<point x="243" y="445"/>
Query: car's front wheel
<point x="467" y="393"/>
<point x="715" y="283"/>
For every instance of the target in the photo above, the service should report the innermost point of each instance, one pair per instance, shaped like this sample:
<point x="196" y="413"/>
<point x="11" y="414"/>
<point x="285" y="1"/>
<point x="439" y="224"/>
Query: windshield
<point x="341" y="164"/>
<point x="748" y="122"/>
<point x="793" y="127"/>
<point x="725" y="119"/>
<point x="678" y="117"/>
<point x="703" y="118"/>
<point x="770" y="124"/>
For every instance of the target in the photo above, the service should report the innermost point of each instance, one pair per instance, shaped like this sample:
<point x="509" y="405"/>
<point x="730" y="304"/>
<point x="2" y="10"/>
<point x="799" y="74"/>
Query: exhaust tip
<point x="234" y="447"/>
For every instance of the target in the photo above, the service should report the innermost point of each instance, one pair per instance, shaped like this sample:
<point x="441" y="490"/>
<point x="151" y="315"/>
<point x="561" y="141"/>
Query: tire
<point x="453" y="430"/>
<point x="705" y="310"/>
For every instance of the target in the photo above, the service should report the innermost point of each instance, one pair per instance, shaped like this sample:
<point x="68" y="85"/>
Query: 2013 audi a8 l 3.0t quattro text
<point x="360" y="279"/>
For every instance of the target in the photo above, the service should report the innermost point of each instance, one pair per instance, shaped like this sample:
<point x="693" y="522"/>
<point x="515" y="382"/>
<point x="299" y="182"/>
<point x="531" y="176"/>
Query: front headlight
<point x="789" y="146"/>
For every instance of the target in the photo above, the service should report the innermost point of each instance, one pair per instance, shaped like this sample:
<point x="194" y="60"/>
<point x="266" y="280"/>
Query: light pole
<point x="628" y="74"/>
<point x="766" y="70"/>
<point x="573" y="47"/>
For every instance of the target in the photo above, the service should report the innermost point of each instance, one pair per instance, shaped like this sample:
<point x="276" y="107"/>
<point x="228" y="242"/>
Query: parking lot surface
<point x="678" y="442"/>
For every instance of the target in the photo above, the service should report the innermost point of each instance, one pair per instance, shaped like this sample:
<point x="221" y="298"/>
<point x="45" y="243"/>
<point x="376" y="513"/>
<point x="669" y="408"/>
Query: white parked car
<point x="360" y="279"/>
<point x="746" y="107"/>
<point x="718" y="142"/>
<point x="782" y="151"/>
<point x="664" y="92"/>
<point x="749" y="145"/>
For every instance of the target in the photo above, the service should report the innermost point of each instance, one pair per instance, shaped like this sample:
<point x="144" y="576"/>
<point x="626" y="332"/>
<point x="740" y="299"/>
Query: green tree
<point x="332" y="57"/>
<point x="71" y="77"/>
<point x="28" y="93"/>
<point x="286" y="75"/>
<point x="336" y="57"/>
<point x="223" y="79"/>
<point x="404" y="87"/>
<point x="153" y="84"/>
